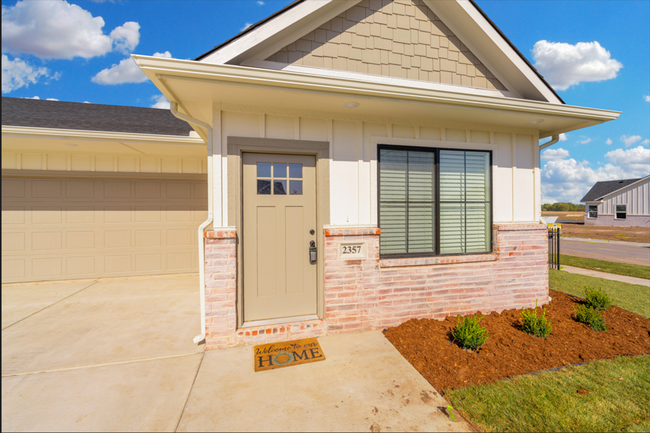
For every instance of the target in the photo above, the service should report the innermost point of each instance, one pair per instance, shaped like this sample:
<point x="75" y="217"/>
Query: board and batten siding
<point x="353" y="155"/>
<point x="637" y="199"/>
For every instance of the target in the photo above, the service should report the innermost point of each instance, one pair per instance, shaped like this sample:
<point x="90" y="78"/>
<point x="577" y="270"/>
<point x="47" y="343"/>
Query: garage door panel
<point x="111" y="232"/>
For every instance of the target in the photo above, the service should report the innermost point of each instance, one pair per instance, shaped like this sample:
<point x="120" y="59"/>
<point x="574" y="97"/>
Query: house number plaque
<point x="353" y="250"/>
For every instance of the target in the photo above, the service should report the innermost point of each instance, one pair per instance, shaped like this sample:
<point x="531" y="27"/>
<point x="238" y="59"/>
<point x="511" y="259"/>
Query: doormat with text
<point x="287" y="353"/>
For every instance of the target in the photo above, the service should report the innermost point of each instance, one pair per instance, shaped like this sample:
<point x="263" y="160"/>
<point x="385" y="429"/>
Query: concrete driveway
<point x="117" y="355"/>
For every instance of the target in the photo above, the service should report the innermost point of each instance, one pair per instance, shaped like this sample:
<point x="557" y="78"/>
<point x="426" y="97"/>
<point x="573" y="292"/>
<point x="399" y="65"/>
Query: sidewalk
<point x="606" y="275"/>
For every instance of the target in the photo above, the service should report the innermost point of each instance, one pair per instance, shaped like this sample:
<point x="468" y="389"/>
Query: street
<point x="614" y="252"/>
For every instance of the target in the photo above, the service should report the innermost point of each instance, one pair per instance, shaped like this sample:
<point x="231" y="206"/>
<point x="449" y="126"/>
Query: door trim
<point x="321" y="150"/>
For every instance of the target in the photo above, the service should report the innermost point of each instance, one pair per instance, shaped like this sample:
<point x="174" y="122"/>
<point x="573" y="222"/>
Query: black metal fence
<point x="554" y="248"/>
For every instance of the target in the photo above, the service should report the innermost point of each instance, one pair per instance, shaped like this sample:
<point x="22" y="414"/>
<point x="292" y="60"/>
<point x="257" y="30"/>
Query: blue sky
<point x="595" y="53"/>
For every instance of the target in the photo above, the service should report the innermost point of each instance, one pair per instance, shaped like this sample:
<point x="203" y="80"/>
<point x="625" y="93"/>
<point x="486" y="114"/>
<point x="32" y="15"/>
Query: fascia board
<point x="157" y="67"/>
<point x="279" y="31"/>
<point x="471" y="27"/>
<point x="632" y="185"/>
<point x="75" y="134"/>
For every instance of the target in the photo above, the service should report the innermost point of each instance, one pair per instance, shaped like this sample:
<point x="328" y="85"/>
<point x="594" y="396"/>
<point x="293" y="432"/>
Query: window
<point x="621" y="211"/>
<point x="281" y="177"/>
<point x="434" y="201"/>
<point x="593" y="211"/>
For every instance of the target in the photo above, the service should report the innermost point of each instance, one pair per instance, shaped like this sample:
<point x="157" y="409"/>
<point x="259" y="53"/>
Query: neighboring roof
<point x="297" y="2"/>
<point x="91" y="117"/>
<point x="601" y="189"/>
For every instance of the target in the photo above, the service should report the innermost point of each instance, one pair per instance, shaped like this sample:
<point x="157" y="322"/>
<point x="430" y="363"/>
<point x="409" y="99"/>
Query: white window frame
<point x="589" y="211"/>
<point x="616" y="212"/>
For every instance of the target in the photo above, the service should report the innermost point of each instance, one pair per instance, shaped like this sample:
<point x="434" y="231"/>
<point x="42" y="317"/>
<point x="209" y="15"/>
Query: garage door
<point x="59" y="228"/>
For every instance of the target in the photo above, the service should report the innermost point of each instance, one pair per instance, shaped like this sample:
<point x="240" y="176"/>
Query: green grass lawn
<point x="630" y="297"/>
<point x="617" y="399"/>
<point x="605" y="266"/>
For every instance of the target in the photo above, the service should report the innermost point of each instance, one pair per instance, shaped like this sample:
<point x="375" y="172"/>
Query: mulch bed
<point x="427" y="344"/>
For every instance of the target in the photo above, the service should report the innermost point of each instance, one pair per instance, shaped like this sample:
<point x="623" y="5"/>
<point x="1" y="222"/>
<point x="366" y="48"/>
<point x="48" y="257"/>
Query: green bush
<point x="597" y="299"/>
<point x="537" y="326"/>
<point x="591" y="317"/>
<point x="468" y="332"/>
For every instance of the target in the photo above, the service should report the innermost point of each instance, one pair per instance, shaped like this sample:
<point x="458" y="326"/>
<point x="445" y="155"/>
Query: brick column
<point x="220" y="288"/>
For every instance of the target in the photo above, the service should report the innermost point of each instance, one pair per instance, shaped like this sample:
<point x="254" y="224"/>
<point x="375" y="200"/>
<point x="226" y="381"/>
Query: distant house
<point x="619" y="203"/>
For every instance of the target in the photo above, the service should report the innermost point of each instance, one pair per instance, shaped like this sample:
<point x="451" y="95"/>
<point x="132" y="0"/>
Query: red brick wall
<point x="376" y="294"/>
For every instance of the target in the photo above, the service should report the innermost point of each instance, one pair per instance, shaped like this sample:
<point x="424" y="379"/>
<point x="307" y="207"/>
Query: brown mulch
<point x="427" y="344"/>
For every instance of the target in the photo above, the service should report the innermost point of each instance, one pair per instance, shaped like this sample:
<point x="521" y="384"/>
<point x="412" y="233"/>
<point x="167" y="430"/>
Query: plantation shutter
<point x="392" y="207"/>
<point x="464" y="202"/>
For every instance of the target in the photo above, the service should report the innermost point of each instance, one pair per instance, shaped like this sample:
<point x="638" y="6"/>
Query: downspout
<point x="554" y="139"/>
<point x="174" y="109"/>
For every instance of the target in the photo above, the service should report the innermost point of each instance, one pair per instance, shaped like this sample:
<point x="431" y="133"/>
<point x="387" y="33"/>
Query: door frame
<point x="320" y="150"/>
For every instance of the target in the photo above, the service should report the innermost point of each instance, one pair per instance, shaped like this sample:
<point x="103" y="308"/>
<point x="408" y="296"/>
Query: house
<point x="619" y="203"/>
<point x="368" y="162"/>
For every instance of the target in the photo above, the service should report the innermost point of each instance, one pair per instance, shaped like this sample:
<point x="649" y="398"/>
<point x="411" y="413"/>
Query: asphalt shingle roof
<point x="603" y="188"/>
<point x="91" y="117"/>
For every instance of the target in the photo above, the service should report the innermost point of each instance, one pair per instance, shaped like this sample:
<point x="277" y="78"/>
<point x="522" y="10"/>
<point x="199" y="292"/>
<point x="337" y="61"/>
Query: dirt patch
<point x="427" y="344"/>
<point x="627" y="234"/>
<point x="566" y="216"/>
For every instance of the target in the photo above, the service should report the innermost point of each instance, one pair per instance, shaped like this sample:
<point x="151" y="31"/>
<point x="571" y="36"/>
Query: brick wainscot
<point x="376" y="294"/>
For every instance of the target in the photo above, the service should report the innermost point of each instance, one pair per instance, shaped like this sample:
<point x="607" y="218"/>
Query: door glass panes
<point x="279" y="178"/>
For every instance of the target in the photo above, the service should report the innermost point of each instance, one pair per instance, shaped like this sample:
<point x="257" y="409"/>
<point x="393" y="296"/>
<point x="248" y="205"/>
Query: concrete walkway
<point x="606" y="275"/>
<point x="117" y="355"/>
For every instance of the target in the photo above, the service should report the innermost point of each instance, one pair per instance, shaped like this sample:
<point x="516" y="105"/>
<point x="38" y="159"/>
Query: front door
<point x="279" y="205"/>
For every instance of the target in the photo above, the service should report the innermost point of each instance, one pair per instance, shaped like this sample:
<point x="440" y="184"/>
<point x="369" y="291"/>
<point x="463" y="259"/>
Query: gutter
<point x="174" y="109"/>
<point x="554" y="139"/>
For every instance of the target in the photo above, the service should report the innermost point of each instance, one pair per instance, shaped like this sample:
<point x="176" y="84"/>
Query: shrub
<point x="537" y="326"/>
<point x="596" y="299"/>
<point x="468" y="332"/>
<point x="591" y="317"/>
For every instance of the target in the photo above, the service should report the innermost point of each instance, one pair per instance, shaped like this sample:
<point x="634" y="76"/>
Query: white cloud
<point x="554" y="154"/>
<point x="565" y="65"/>
<point x="161" y="102"/>
<point x="585" y="140"/>
<point x="36" y="97"/>
<point x="126" y="37"/>
<point x="647" y="98"/>
<point x="127" y="71"/>
<point x="261" y="3"/>
<point x="563" y="137"/>
<point x="566" y="180"/>
<point x="646" y="142"/>
<point x="608" y="142"/>
<point x="247" y="25"/>
<point x="17" y="73"/>
<point x="56" y="29"/>
<point x="629" y="141"/>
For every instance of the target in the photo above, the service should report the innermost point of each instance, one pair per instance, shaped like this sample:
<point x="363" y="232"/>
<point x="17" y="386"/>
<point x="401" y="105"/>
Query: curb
<point x="603" y="241"/>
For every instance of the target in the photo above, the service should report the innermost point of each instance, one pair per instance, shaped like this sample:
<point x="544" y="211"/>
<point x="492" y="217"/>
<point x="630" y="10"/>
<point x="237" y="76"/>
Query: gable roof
<point x="601" y="189"/>
<point x="527" y="81"/>
<point x="90" y="117"/>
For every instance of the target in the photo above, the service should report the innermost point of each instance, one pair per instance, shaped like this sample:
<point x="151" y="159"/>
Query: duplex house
<point x="619" y="203"/>
<point x="368" y="162"/>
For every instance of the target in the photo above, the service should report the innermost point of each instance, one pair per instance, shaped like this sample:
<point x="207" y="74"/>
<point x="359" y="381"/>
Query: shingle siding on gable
<point x="399" y="39"/>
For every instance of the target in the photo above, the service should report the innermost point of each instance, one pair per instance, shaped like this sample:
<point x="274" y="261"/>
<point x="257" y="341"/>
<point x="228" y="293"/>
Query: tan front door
<point x="279" y="196"/>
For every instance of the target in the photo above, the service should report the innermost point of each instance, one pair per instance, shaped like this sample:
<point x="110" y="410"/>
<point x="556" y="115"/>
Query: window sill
<point x="433" y="261"/>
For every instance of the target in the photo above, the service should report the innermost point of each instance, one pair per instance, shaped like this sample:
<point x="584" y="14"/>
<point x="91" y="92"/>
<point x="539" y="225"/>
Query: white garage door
<point x="60" y="228"/>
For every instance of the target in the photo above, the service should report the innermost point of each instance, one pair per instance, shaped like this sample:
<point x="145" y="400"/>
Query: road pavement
<point x="614" y="252"/>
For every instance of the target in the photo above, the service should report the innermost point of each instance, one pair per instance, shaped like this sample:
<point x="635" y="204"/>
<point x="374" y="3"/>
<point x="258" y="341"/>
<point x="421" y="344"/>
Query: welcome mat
<point x="287" y="353"/>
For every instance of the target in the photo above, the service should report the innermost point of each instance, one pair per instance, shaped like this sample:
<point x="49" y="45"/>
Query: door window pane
<point x="279" y="170"/>
<point x="263" y="169"/>
<point x="295" y="171"/>
<point x="263" y="186"/>
<point x="295" y="187"/>
<point x="280" y="187"/>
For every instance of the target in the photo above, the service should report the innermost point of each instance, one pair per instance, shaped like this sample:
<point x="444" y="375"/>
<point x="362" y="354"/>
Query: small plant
<point x="591" y="317"/>
<point x="468" y="332"/>
<point x="537" y="326"/>
<point x="596" y="299"/>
